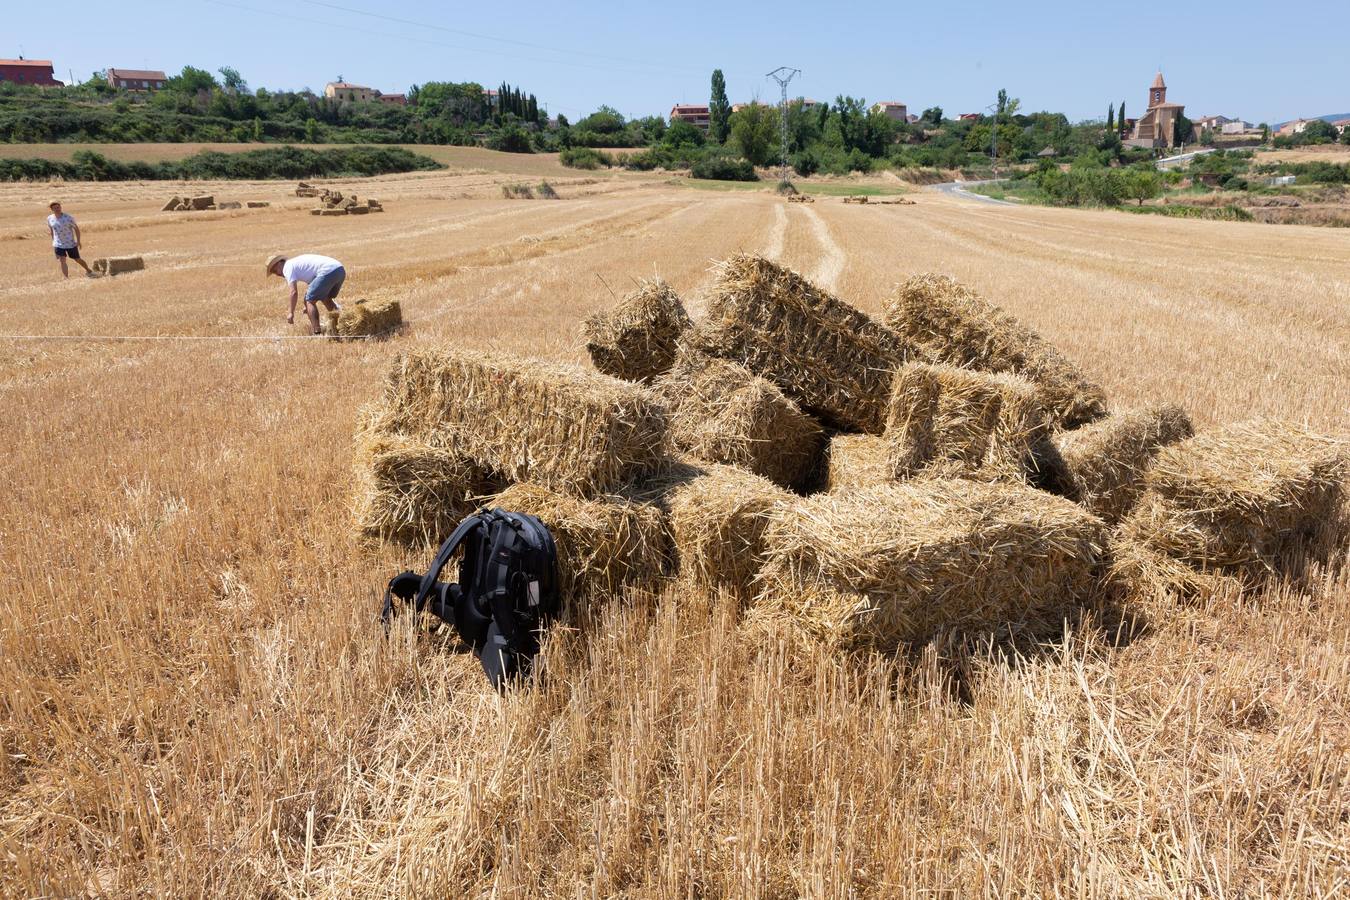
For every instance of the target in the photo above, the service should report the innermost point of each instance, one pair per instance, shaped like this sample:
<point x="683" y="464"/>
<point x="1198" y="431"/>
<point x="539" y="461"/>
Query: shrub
<point x="273" y="162"/>
<point x="585" y="158"/>
<point x="512" y="139"/>
<point x="723" y="168"/>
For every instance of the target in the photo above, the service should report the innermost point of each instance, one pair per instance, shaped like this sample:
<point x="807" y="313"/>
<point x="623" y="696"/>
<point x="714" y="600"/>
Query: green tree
<point x="932" y="117"/>
<point x="1319" y="131"/>
<point x="1183" y="130"/>
<point x="719" y="109"/>
<point x="192" y="80"/>
<point x="1142" y="184"/>
<point x="1111" y="117"/>
<point x="1120" y="117"/>
<point x="257" y="129"/>
<point x="1265" y="133"/>
<point x="311" y="130"/>
<point x="753" y="129"/>
<point x="233" y="81"/>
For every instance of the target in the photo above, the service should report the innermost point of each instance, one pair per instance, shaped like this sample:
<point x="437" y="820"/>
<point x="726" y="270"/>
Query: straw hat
<point x="273" y="260"/>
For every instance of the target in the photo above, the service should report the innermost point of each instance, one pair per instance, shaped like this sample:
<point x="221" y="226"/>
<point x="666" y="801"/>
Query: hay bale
<point x="173" y="205"/>
<point x="412" y="492"/>
<point x="966" y="423"/>
<point x="717" y="522"/>
<point x="895" y="563"/>
<point x="308" y="190"/>
<point x="258" y="204"/>
<point x="358" y="210"/>
<point x="561" y="426"/>
<point x="957" y="326"/>
<point x="829" y="357"/>
<point x="374" y="205"/>
<point x="368" y="317"/>
<point x="117" y="265"/>
<point x="1248" y="501"/>
<point x="636" y="340"/>
<point x="316" y="212"/>
<point x="857" y="461"/>
<point x="603" y="545"/>
<point x="720" y="412"/>
<point x="229" y="204"/>
<point x="326" y="211"/>
<point x="1104" y="462"/>
<point x="200" y="203"/>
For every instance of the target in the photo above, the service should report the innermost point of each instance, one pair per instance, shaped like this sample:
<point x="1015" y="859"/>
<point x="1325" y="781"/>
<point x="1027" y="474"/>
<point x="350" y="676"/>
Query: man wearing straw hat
<point x="323" y="277"/>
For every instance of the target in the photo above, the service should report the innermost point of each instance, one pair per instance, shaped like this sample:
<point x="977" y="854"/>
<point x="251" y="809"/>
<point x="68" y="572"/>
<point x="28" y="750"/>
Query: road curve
<point x="958" y="189"/>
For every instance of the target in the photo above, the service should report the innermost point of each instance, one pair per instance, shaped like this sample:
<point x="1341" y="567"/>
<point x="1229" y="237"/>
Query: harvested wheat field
<point x="196" y="697"/>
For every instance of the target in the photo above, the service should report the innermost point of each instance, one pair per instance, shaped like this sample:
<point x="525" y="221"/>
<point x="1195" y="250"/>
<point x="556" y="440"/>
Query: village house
<point x="1213" y="123"/>
<point x="968" y="117"/>
<point x="352" y="93"/>
<point x="1238" y="126"/>
<point x="1340" y="125"/>
<point x="394" y="99"/>
<point x="28" y="71"/>
<point x="1295" y="127"/>
<point x="1157" y="126"/>
<point x="698" y="116"/>
<point x="136" y="79"/>
<point x="892" y="109"/>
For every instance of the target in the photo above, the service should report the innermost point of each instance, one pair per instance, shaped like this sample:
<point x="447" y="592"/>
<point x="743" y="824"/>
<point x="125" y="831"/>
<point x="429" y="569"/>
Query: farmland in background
<point x="196" y="699"/>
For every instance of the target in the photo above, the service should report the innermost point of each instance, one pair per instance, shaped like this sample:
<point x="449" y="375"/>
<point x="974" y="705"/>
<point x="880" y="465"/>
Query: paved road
<point x="958" y="189"/>
<point x="1183" y="157"/>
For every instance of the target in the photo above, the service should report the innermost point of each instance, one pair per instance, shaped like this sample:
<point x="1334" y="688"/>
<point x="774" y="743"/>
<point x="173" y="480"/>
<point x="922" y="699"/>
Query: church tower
<point x="1157" y="92"/>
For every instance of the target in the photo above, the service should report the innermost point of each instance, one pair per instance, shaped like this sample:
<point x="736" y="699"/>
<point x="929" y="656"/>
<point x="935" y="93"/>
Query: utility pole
<point x="782" y="75"/>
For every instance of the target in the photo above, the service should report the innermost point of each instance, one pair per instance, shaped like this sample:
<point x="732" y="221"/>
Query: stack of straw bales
<point x="955" y="325"/>
<point x="1104" y="462"/>
<point x="967" y="423"/>
<point x="562" y="427"/>
<point x="830" y="358"/>
<point x="637" y="339"/>
<point x="895" y="563"/>
<point x="722" y="413"/>
<point x="309" y="190"/>
<point x="365" y="318"/>
<point x="1245" y="502"/>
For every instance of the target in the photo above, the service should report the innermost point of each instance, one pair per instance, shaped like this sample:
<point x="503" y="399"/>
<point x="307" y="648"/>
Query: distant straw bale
<point x="603" y="545"/>
<point x="972" y="424"/>
<point x="174" y="204"/>
<point x="367" y="318"/>
<point x="411" y="492"/>
<point x="895" y="563"/>
<point x="720" y="412"/>
<point x="636" y="340"/>
<point x="1105" y="461"/>
<point x="117" y="265"/>
<point x="329" y="212"/>
<point x="829" y="357"/>
<point x="857" y="461"/>
<point x="258" y="204"/>
<point x="1248" y="501"/>
<point x="957" y="326"/>
<point x="308" y="190"/>
<point x="718" y="520"/>
<point x="229" y="204"/>
<point x="561" y="426"/>
<point x="200" y="203"/>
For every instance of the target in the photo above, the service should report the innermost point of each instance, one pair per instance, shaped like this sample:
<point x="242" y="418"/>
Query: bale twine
<point x="955" y="325"/>
<point x="604" y="545"/>
<point x="857" y="461"/>
<point x="829" y="357"/>
<point x="1105" y="462"/>
<point x="636" y="340"/>
<point x="720" y="412"/>
<point x="560" y="426"/>
<point x="1248" y="501"/>
<point x="965" y="423"/>
<point x="412" y="492"/>
<point x="895" y="563"/>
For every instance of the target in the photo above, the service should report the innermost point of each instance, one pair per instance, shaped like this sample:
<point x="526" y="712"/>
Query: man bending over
<point x="323" y="277"/>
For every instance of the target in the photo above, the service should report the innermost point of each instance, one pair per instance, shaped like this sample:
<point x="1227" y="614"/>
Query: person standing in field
<point x="323" y="277"/>
<point x="65" y="239"/>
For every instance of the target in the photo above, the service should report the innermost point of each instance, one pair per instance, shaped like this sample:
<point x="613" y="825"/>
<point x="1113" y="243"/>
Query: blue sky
<point x="1261" y="62"/>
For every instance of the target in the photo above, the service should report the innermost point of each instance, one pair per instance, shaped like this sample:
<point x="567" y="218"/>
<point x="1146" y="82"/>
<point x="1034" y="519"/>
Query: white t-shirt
<point x="307" y="267"/>
<point x="63" y="230"/>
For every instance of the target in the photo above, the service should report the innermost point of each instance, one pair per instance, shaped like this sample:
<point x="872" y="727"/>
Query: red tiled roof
<point x="36" y="63"/>
<point x="347" y="85"/>
<point x="1157" y="81"/>
<point x="138" y="74"/>
<point x="680" y="108"/>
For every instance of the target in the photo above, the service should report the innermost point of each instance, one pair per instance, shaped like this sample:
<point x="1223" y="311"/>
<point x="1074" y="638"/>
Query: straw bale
<point x="1105" y="462"/>
<point x="857" y="461"/>
<point x="561" y="426"/>
<point x="330" y="212"/>
<point x="308" y="190"/>
<point x="603" y="545"/>
<point x="118" y="265"/>
<point x="317" y="212"/>
<point x="829" y="357"/>
<point x="957" y="326"/>
<point x="1250" y="500"/>
<point x="199" y="203"/>
<point x="229" y="204"/>
<point x="636" y="340"/>
<point x="173" y="205"/>
<point x="895" y="563"/>
<point x="258" y="204"/>
<point x="367" y="317"/>
<point x="967" y="423"/>
<point x="358" y="210"/>
<point x="374" y="205"/>
<point x="720" y="412"/>
<point x="412" y="492"/>
<point x="717" y="522"/>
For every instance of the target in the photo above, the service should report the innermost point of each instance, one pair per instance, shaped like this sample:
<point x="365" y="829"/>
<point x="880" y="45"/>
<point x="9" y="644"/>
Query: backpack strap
<point x="417" y="588"/>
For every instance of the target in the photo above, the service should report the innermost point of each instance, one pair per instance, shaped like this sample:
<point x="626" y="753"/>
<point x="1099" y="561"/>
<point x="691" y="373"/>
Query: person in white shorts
<point x="323" y="277"/>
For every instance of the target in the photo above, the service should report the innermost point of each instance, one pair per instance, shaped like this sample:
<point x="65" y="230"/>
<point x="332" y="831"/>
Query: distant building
<point x="1047" y="153"/>
<point x="491" y="97"/>
<point x="28" y="71"/>
<point x="892" y="109"/>
<point x="352" y="93"/>
<point x="1237" y="126"/>
<point x="1213" y="123"/>
<point x="136" y="79"/>
<point x="1295" y="127"/>
<point x="1340" y="125"/>
<point x="912" y="119"/>
<point x="968" y="117"/>
<point x="698" y="116"/>
<point x="1157" y="125"/>
<point x="394" y="99"/>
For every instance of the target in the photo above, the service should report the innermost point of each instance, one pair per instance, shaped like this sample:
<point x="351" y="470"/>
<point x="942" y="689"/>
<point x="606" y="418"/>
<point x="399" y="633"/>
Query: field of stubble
<point x="194" y="698"/>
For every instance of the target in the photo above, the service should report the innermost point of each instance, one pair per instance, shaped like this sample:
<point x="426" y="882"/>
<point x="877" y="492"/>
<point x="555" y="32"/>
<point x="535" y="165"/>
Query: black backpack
<point x="507" y="590"/>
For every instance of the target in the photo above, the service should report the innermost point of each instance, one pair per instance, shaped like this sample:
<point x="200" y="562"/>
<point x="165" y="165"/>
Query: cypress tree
<point x="1123" y="123"/>
<point x="719" y="109"/>
<point x="1111" y="117"/>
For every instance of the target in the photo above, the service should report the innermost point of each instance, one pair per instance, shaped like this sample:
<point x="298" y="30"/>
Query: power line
<point x="783" y="75"/>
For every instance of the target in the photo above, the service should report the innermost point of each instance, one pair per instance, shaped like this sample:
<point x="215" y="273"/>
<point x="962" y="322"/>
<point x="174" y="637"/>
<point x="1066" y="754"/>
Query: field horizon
<point x="197" y="698"/>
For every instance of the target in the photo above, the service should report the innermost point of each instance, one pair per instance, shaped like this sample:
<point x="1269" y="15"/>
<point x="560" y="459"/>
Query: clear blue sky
<point x="1263" y="62"/>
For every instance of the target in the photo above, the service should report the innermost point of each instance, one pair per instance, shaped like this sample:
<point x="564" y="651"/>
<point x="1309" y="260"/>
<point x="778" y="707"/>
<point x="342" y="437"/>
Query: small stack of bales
<point x="309" y="190"/>
<point x="190" y="204"/>
<point x="637" y="339"/>
<point x="365" y="318"/>
<point x="1103" y="464"/>
<point x="117" y="265"/>
<point x="334" y="203"/>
